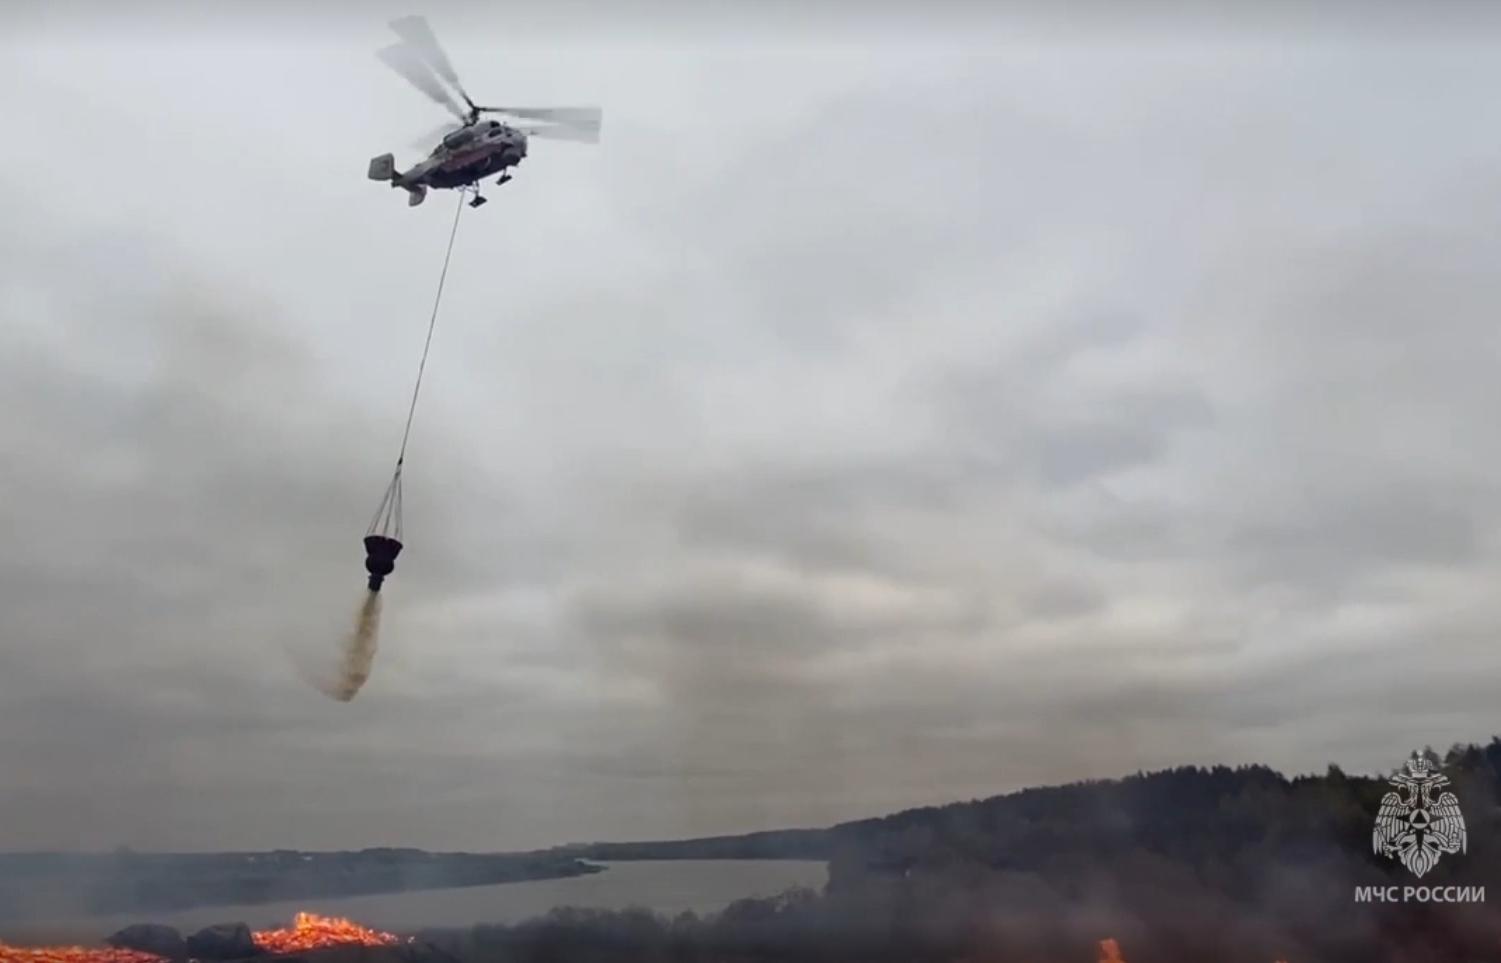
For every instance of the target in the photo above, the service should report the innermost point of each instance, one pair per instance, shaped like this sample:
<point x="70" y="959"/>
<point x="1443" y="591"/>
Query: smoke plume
<point x="359" y="651"/>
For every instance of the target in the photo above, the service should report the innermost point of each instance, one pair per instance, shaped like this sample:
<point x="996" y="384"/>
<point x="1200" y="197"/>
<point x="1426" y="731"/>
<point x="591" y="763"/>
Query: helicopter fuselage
<point x="474" y="150"/>
<point x="469" y="154"/>
<point x="466" y="156"/>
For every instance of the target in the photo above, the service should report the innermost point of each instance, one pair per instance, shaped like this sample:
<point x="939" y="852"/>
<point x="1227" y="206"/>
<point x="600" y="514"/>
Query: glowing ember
<point x="71" y="954"/>
<point x="310" y="931"/>
<point x="1110" y="952"/>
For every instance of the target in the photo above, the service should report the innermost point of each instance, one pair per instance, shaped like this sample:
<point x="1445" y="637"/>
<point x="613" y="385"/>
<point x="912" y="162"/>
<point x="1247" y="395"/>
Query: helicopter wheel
<point x="473" y="189"/>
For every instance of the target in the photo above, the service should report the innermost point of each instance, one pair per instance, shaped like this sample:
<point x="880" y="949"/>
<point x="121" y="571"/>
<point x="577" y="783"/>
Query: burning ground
<point x="308" y="932"/>
<point x="331" y="940"/>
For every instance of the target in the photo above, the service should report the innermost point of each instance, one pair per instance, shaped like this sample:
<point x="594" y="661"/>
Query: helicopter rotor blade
<point x="589" y="117"/>
<point x="403" y="59"/>
<point x="419" y="35"/>
<point x="580" y="135"/>
<point x="432" y="137"/>
<point x="579" y="124"/>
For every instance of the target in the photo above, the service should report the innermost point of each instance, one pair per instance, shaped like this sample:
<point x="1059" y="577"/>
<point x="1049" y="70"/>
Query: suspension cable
<point x="389" y="510"/>
<point x="390" y="506"/>
<point x="432" y="322"/>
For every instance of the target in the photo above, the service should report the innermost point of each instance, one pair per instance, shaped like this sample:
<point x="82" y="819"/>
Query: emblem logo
<point x="1413" y="827"/>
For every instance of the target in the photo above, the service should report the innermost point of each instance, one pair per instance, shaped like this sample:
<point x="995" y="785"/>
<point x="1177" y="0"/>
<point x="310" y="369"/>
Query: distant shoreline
<point x="668" y="887"/>
<point x="59" y="885"/>
<point x="63" y="885"/>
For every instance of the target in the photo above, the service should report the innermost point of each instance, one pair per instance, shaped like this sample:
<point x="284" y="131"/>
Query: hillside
<point x="1191" y="864"/>
<point x="1190" y="813"/>
<point x="1235" y="865"/>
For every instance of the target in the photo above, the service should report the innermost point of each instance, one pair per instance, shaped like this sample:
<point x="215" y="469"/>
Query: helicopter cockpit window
<point x="458" y="138"/>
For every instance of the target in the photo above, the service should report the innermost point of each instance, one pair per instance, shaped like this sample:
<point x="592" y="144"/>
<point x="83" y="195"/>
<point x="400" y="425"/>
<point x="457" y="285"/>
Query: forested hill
<point x="1193" y="814"/>
<point x="777" y="844"/>
<point x="1236" y="865"/>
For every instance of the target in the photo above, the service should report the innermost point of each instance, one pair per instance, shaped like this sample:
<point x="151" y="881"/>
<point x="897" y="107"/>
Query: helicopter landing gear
<point x="502" y="179"/>
<point x="474" y="189"/>
<point x="478" y="200"/>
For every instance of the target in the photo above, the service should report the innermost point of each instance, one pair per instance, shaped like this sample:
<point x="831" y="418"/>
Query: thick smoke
<point x="359" y="651"/>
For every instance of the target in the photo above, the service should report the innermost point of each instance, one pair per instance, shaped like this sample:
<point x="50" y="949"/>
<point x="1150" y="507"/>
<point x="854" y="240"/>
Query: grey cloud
<point x="1031" y="414"/>
<point x="1064" y="599"/>
<point x="1349" y="532"/>
<point x="734" y="620"/>
<point x="820" y="517"/>
<point x="847" y="432"/>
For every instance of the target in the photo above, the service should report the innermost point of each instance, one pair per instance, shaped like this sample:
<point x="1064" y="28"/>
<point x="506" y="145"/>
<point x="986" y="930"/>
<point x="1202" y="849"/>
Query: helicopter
<point x="475" y="148"/>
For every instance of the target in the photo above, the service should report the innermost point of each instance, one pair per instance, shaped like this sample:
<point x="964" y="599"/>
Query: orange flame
<point x="1110" y="952"/>
<point x="308" y="931"/>
<point x="71" y="954"/>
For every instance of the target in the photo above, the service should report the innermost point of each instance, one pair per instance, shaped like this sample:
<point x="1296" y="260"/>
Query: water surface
<point x="666" y="886"/>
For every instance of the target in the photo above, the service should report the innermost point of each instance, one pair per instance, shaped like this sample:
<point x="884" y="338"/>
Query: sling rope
<point x="437" y="300"/>
<point x="390" y="506"/>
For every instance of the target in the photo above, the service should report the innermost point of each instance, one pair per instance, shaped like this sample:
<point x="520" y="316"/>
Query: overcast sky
<point x="885" y="413"/>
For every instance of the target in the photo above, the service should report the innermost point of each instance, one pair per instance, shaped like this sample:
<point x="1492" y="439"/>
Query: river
<point x="666" y="886"/>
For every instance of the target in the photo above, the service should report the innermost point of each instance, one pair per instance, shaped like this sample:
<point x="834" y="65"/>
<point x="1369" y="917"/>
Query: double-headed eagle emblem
<point x="1416" y="829"/>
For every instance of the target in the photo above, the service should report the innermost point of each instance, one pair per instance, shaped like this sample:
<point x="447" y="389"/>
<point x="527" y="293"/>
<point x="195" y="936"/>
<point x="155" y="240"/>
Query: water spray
<point x="383" y="539"/>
